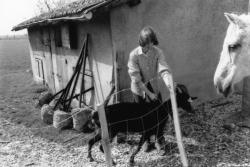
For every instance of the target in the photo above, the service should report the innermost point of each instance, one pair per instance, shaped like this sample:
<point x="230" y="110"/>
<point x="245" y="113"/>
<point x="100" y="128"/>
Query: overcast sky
<point x="13" y="12"/>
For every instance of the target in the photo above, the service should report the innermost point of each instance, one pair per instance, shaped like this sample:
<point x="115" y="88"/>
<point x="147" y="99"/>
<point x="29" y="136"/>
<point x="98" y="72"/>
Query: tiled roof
<point x="71" y="9"/>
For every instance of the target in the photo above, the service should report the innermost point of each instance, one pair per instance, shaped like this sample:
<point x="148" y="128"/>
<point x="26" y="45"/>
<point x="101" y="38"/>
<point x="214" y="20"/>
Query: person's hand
<point x="175" y="85"/>
<point x="152" y="96"/>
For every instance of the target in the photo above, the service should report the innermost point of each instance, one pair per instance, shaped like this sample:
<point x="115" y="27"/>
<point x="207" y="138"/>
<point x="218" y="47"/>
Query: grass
<point x="18" y="92"/>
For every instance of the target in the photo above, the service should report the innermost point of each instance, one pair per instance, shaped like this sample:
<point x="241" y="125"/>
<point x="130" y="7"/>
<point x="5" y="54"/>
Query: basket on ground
<point x="47" y="114"/>
<point x="62" y="119"/>
<point x="80" y="117"/>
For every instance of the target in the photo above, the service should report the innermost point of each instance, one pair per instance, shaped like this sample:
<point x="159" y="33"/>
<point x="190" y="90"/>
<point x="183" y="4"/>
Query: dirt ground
<point x="26" y="141"/>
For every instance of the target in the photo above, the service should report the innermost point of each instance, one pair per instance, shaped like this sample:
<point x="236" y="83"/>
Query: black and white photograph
<point x="125" y="83"/>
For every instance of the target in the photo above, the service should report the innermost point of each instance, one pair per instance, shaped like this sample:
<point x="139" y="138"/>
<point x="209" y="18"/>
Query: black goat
<point x="147" y="119"/>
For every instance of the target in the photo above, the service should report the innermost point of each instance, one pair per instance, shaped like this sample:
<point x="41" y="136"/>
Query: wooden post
<point x="248" y="6"/>
<point x="116" y="75"/>
<point x="246" y="95"/>
<point x="169" y="80"/>
<point x="105" y="134"/>
<point x="245" y="107"/>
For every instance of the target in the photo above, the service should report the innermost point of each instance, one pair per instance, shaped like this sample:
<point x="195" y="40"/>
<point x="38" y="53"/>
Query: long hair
<point x="146" y="36"/>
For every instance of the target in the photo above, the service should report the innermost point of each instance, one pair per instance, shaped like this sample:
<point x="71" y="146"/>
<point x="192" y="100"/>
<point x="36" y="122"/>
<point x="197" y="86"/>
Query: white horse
<point x="234" y="63"/>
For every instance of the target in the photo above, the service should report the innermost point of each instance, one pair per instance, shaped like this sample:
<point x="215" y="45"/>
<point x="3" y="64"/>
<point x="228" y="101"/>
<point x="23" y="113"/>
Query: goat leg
<point x="111" y="140"/>
<point x="142" y="140"/>
<point x="101" y="149"/>
<point x="160" y="144"/>
<point x="91" y="142"/>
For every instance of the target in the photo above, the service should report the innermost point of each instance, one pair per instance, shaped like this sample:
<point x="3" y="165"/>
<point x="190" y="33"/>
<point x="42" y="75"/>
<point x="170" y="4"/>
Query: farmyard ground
<point x="26" y="141"/>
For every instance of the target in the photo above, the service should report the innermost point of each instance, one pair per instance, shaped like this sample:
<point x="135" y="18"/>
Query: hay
<point x="80" y="118"/>
<point x="47" y="114"/>
<point x="53" y="103"/>
<point x="74" y="104"/>
<point x="62" y="119"/>
<point x="45" y="98"/>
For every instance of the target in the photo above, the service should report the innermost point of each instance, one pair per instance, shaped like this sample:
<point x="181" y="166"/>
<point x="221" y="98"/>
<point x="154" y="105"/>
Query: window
<point x="46" y="36"/>
<point x="58" y="36"/>
<point x="73" y="35"/>
<point x="66" y="35"/>
<point x="41" y="36"/>
<point x="39" y="68"/>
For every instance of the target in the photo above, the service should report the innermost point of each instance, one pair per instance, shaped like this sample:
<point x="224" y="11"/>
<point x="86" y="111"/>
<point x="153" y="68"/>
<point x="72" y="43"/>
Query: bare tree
<point x="45" y="6"/>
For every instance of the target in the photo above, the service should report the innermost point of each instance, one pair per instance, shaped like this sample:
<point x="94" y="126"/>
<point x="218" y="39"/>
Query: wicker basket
<point x="62" y="119"/>
<point x="47" y="114"/>
<point x="80" y="117"/>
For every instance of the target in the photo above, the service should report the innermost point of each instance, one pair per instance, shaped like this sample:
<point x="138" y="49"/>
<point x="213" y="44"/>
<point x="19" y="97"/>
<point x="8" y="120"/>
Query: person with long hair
<point x="146" y="63"/>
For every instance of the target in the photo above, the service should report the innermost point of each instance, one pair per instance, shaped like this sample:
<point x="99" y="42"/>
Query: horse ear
<point x="230" y="18"/>
<point x="233" y="18"/>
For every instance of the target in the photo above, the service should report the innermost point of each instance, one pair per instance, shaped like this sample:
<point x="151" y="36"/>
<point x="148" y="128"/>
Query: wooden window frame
<point x="58" y="36"/>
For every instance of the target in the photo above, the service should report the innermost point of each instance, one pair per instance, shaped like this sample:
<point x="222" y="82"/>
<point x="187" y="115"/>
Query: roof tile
<point x="70" y="9"/>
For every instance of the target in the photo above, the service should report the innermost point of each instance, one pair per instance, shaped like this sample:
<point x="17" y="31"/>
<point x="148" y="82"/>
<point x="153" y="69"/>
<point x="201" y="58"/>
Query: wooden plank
<point x="169" y="80"/>
<point x="105" y="134"/>
<point x="50" y="60"/>
<point x="116" y="79"/>
<point x="84" y="69"/>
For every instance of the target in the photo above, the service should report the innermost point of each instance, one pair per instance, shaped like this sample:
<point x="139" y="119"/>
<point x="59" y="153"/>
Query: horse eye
<point x="234" y="47"/>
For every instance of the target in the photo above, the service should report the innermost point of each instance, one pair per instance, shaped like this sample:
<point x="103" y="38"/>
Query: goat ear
<point x="235" y="19"/>
<point x="178" y="90"/>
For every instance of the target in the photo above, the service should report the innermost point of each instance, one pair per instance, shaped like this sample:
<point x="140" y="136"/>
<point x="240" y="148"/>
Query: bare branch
<point x="48" y="5"/>
<point x="44" y="6"/>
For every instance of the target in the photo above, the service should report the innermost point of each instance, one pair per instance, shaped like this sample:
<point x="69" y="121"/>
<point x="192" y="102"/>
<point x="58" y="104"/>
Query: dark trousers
<point x="139" y="99"/>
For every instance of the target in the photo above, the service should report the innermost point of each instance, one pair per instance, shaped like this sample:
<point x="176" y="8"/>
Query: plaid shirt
<point x="146" y="68"/>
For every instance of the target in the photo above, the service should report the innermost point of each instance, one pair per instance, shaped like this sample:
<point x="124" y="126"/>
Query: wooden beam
<point x="169" y="80"/>
<point x="105" y="103"/>
<point x="85" y="91"/>
<point x="105" y="134"/>
<point x="83" y="74"/>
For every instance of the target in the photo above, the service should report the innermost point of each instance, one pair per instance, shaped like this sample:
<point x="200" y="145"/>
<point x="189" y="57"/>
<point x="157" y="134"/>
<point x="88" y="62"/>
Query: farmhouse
<point x="190" y="33"/>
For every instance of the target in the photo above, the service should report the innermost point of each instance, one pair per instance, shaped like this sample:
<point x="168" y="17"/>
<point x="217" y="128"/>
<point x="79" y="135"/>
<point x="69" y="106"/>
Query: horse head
<point x="234" y="63"/>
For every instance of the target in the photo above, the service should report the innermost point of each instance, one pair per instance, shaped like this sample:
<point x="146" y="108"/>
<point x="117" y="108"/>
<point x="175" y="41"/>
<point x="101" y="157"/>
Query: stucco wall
<point x="100" y="51"/>
<point x="190" y="32"/>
